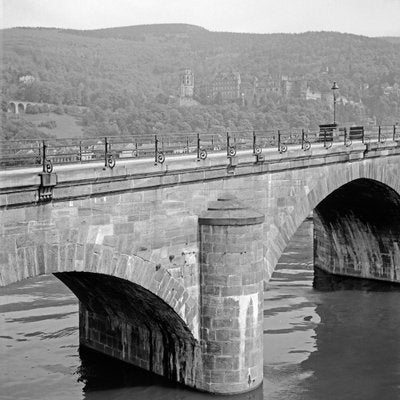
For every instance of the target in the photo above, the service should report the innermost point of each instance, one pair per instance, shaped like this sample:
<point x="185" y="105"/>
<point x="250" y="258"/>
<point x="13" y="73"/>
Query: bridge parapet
<point x="113" y="150"/>
<point x="77" y="181"/>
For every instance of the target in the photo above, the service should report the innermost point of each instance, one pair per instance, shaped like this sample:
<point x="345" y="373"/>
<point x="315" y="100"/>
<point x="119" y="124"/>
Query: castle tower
<point x="187" y="83"/>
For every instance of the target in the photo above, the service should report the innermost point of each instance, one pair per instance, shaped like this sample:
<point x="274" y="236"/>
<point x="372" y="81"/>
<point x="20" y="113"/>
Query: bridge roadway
<point x="168" y="261"/>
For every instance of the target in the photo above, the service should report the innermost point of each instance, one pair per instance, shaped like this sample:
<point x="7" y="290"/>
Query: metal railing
<point x="110" y="150"/>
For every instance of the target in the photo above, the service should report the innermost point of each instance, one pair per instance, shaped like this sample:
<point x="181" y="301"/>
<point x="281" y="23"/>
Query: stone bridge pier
<point x="231" y="297"/>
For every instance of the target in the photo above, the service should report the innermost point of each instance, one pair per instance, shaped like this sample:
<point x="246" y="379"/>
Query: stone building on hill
<point x="293" y="88"/>
<point x="226" y="86"/>
<point x="230" y="87"/>
<point x="187" y="83"/>
<point x="187" y="88"/>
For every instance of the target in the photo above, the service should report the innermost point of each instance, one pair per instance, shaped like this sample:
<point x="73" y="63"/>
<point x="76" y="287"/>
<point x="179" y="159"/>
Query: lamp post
<point x="334" y="88"/>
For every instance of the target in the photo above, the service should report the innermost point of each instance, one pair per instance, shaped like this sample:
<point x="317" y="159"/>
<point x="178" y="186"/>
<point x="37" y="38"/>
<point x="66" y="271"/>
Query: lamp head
<point x="335" y="86"/>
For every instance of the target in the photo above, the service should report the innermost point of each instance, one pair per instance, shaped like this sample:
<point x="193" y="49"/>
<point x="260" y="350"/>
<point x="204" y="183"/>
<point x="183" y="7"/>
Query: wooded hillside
<point x="126" y="77"/>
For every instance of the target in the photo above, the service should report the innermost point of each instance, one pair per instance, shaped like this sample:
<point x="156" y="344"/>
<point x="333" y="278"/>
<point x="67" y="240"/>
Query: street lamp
<point x="334" y="88"/>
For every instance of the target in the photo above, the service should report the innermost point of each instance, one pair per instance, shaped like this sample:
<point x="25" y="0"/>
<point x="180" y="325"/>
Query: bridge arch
<point x="131" y="306"/>
<point x="320" y="189"/>
<point x="21" y="108"/>
<point x="12" y="107"/>
<point x="34" y="258"/>
<point x="126" y="321"/>
<point x="357" y="230"/>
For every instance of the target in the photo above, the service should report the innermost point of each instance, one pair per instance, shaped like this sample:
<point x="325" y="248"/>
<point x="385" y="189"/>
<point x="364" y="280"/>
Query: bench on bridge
<point x="356" y="133"/>
<point x="327" y="132"/>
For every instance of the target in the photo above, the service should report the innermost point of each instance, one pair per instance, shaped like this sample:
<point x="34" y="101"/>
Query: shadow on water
<point x="99" y="372"/>
<point x="326" y="282"/>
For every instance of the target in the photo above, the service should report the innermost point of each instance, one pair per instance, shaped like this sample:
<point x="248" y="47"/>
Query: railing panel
<point x="111" y="150"/>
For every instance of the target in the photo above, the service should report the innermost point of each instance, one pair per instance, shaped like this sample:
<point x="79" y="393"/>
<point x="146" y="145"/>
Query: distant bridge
<point x="167" y="249"/>
<point x="19" y="107"/>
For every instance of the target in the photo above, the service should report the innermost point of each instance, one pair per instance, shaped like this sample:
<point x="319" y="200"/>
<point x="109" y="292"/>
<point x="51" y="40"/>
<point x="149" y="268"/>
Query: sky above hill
<point x="364" y="17"/>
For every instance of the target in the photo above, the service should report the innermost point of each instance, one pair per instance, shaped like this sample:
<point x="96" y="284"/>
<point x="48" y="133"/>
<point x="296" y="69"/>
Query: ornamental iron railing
<point x="111" y="150"/>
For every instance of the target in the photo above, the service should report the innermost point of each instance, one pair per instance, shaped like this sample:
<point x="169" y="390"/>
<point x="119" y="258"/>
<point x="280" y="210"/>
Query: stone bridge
<point x="19" y="107"/>
<point x="168" y="261"/>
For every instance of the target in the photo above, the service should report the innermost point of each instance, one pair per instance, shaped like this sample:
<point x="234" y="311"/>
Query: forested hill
<point x="392" y="39"/>
<point x="132" y="70"/>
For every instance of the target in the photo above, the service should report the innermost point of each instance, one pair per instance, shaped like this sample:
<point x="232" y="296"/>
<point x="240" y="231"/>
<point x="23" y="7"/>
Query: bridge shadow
<point x="326" y="282"/>
<point x="115" y="379"/>
<point x="101" y="372"/>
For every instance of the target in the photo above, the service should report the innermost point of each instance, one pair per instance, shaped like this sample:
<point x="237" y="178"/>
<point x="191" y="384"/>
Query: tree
<point x="32" y="109"/>
<point x="218" y="98"/>
<point x="161" y="98"/>
<point x="59" y="110"/>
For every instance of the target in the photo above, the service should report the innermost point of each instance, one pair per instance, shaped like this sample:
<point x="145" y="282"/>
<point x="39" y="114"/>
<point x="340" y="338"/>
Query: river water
<point x="334" y="342"/>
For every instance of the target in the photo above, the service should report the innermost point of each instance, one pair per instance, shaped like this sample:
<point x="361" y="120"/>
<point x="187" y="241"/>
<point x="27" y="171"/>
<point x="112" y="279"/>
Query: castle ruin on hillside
<point x="230" y="87"/>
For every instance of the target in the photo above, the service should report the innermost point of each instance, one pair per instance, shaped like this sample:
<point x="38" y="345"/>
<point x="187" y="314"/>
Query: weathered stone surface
<point x="124" y="320"/>
<point x="231" y="315"/>
<point x="357" y="232"/>
<point x="229" y="211"/>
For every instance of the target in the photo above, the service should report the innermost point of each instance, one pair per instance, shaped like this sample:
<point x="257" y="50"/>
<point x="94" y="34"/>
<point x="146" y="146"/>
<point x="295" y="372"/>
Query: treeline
<point x="128" y="77"/>
<point x="14" y="128"/>
<point x="157" y="118"/>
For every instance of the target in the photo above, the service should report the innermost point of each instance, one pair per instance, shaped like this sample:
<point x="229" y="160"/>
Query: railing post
<point x="345" y="136"/>
<point x="394" y="133"/>
<point x="80" y="151"/>
<point x="254" y="142"/>
<point x="363" y="135"/>
<point x="198" y="145"/>
<point x="379" y="134"/>
<point x="302" y="139"/>
<point x="279" y="140"/>
<point x="44" y="147"/>
<point x="105" y="151"/>
<point x="40" y="153"/>
<point x="324" y="137"/>
<point x="155" y="148"/>
<point x="227" y="144"/>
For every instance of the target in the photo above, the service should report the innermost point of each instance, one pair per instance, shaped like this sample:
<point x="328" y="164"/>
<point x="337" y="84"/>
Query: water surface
<point x="318" y="344"/>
